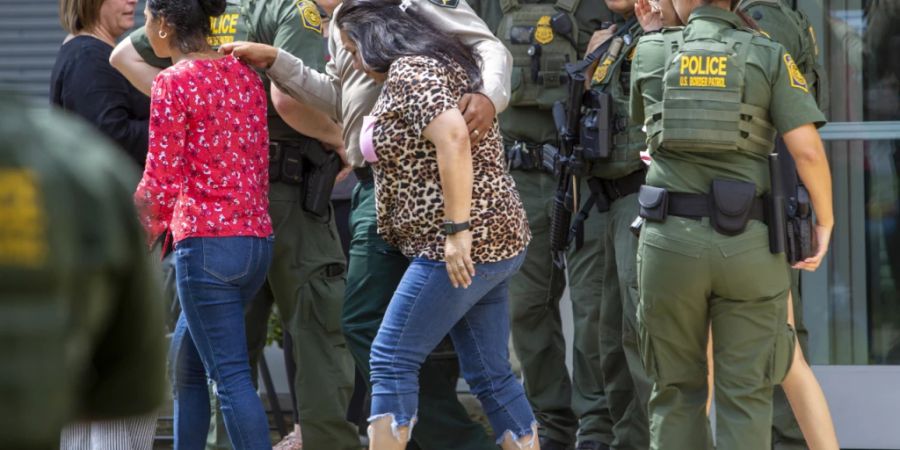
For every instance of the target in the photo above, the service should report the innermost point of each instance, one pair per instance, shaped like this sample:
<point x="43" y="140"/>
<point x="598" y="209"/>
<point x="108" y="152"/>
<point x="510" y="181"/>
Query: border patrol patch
<point x="309" y="15"/>
<point x="23" y="230"/>
<point x="797" y="79"/>
<point x="445" y="3"/>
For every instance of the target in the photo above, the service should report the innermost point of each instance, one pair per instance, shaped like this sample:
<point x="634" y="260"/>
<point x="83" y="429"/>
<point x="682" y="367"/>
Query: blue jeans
<point x="424" y="309"/>
<point x="217" y="277"/>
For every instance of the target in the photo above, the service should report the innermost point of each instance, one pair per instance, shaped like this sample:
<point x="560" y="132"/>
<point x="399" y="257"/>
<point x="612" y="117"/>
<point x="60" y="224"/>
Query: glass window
<point x="851" y="305"/>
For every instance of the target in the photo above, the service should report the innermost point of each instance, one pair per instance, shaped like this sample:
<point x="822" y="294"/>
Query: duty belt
<point x="286" y="163"/>
<point x="620" y="187"/>
<point x="530" y="157"/>
<point x="698" y="206"/>
<point x="603" y="193"/>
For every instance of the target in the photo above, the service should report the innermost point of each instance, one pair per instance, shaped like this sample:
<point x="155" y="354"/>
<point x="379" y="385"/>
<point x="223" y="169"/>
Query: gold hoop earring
<point x="163" y="34"/>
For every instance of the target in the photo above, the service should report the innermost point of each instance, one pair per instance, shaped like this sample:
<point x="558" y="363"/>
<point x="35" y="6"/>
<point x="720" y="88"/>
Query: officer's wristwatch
<point x="450" y="227"/>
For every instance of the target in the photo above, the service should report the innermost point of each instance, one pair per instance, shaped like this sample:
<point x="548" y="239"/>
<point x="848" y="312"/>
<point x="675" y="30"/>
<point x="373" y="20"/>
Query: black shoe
<point x="591" y="445"/>
<point x="550" y="444"/>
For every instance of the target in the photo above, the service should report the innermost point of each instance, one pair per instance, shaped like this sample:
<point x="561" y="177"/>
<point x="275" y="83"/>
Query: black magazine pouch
<point x="654" y="203"/>
<point x="732" y="203"/>
<point x="291" y="165"/>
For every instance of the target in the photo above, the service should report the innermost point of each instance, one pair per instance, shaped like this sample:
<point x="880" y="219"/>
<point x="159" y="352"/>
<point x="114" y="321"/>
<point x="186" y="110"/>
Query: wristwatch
<point x="450" y="227"/>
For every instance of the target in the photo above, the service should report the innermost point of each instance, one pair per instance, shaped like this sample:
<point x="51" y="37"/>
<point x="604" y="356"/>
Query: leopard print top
<point x="408" y="194"/>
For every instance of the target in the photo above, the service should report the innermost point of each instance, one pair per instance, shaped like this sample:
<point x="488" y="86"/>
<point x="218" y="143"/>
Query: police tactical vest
<point x="542" y="38"/>
<point x="807" y="59"/>
<point x="229" y="26"/>
<point x="702" y="109"/>
<point x="628" y="138"/>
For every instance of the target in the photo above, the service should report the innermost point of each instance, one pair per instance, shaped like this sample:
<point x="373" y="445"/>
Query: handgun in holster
<point x="791" y="228"/>
<point x="323" y="167"/>
<point x="800" y="228"/>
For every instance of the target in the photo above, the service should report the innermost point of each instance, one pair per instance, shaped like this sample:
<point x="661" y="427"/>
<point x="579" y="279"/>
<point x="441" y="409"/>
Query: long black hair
<point x="384" y="32"/>
<point x="190" y="18"/>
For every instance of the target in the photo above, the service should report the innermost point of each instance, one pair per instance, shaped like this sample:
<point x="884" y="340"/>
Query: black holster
<point x="799" y="226"/>
<point x="323" y="167"/>
<point x="305" y="163"/>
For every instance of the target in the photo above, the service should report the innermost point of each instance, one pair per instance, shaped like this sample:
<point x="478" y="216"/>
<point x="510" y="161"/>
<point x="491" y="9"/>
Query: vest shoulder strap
<point x="744" y="4"/>
<point x="568" y="6"/>
<point x="508" y="5"/>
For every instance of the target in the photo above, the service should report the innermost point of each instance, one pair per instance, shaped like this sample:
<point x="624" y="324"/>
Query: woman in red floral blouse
<point x="206" y="184"/>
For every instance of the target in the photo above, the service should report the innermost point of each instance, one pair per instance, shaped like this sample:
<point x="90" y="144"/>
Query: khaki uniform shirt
<point x="347" y="94"/>
<point x="771" y="81"/>
<point x="291" y="25"/>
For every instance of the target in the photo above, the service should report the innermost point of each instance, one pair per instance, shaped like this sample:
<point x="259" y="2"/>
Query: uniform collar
<point x="716" y="14"/>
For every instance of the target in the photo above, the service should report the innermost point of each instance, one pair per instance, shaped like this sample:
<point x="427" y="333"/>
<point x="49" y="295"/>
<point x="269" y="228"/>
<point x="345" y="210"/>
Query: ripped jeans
<point x="424" y="309"/>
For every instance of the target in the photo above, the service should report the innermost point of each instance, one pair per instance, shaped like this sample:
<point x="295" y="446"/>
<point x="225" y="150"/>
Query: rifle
<point x="569" y="161"/>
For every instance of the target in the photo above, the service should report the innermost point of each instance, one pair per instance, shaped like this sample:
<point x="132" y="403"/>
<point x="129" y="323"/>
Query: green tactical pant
<point x="375" y="271"/>
<point x="306" y="282"/>
<point x="563" y="408"/>
<point x="626" y="382"/>
<point x="691" y="277"/>
<point x="786" y="434"/>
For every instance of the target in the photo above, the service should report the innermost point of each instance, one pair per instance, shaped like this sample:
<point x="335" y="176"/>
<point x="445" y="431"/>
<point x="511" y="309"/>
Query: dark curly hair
<point x="190" y="18"/>
<point x="384" y="32"/>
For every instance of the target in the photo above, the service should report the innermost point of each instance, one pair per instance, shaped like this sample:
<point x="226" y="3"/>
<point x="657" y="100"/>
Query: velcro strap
<point x="695" y="206"/>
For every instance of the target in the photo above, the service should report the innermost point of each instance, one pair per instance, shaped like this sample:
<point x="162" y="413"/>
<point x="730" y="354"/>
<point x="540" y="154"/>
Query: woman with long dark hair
<point x="713" y="96"/>
<point x="453" y="209"/>
<point x="205" y="187"/>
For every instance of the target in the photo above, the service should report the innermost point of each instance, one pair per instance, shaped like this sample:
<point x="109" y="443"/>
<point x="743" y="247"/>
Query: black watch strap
<point x="451" y="228"/>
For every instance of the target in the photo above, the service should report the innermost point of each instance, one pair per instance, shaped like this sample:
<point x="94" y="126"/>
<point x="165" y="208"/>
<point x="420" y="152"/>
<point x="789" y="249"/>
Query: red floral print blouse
<point x="207" y="166"/>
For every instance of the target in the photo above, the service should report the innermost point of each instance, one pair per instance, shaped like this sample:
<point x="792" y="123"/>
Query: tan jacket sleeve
<point x="496" y="59"/>
<point x="306" y="85"/>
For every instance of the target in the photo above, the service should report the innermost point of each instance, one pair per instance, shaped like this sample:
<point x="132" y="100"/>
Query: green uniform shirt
<point x="774" y="23"/>
<point x="81" y="329"/>
<point x="613" y="77"/>
<point x="292" y="25"/>
<point x="531" y="124"/>
<point x="772" y="81"/>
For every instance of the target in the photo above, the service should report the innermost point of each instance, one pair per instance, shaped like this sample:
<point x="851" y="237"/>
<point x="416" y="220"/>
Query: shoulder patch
<point x="445" y="3"/>
<point x="23" y="232"/>
<point x="797" y="79"/>
<point x="309" y="15"/>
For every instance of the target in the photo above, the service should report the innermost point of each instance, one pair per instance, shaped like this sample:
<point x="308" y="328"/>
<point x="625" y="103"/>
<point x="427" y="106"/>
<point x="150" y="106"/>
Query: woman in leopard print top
<point x="426" y="174"/>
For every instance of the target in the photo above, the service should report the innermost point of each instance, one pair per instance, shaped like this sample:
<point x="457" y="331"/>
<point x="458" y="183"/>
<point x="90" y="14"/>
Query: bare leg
<point x="808" y="401"/>
<point x="803" y="393"/>
<point x="529" y="442"/>
<point x="382" y="437"/>
<point x="711" y="374"/>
